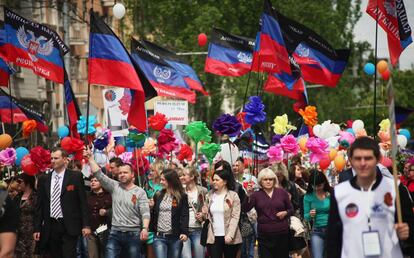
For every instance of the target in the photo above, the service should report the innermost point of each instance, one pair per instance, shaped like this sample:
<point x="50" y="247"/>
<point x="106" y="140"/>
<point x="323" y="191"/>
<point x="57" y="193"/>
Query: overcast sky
<point x="365" y="30"/>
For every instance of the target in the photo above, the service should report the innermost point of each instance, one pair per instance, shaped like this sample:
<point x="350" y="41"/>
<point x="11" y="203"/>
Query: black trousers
<point x="219" y="248"/>
<point x="274" y="246"/>
<point x="61" y="245"/>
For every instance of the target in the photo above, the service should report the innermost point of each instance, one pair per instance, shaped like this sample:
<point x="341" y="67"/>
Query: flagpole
<point x="374" y="125"/>
<point x="11" y="104"/>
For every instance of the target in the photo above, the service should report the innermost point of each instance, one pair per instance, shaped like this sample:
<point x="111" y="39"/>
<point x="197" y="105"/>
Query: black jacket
<point x="345" y="175"/>
<point x="179" y="214"/>
<point x="72" y="200"/>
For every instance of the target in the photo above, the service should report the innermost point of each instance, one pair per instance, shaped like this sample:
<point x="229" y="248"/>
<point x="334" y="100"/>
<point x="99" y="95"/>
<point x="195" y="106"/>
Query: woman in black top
<point x="169" y="216"/>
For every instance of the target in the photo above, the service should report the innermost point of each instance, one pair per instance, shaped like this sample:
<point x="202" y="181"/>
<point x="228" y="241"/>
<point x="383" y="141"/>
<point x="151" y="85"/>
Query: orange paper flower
<point x="309" y="115"/>
<point x="29" y="127"/>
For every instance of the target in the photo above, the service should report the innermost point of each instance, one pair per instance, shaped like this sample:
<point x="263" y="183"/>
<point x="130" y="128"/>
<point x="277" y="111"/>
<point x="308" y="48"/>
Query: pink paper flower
<point x="318" y="148"/>
<point x="8" y="156"/>
<point x="126" y="157"/>
<point x="289" y="144"/>
<point x="275" y="153"/>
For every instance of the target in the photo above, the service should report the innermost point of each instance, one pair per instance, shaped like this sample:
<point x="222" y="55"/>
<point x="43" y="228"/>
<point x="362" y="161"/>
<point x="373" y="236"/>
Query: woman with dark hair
<point x="26" y="202"/>
<point x="316" y="204"/>
<point x="282" y="175"/>
<point x="169" y="216"/>
<point x="222" y="209"/>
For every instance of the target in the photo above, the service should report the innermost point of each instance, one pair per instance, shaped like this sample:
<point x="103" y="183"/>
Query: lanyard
<point x="369" y="196"/>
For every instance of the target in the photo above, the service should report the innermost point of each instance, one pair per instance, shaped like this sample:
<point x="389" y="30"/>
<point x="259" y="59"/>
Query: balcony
<point x="78" y="34"/>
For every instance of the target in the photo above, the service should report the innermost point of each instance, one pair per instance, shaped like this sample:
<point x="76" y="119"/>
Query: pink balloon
<point x="202" y="39"/>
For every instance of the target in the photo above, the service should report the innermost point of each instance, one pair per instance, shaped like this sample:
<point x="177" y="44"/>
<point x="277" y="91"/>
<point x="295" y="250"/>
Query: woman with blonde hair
<point x="273" y="209"/>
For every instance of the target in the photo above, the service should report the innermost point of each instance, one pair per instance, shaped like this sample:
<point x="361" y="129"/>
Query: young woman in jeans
<point x="169" y="216"/>
<point x="196" y="196"/>
<point x="316" y="205"/>
<point x="222" y="208"/>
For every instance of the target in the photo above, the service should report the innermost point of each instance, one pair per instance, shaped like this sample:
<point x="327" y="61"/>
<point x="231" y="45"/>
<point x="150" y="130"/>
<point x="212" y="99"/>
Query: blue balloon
<point x="350" y="130"/>
<point x="369" y="68"/>
<point x="405" y="132"/>
<point x="168" y="126"/>
<point x="20" y="153"/>
<point x="63" y="131"/>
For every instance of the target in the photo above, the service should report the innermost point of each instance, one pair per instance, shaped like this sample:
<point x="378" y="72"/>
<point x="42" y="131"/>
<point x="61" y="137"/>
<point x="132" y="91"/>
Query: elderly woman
<point x="273" y="209"/>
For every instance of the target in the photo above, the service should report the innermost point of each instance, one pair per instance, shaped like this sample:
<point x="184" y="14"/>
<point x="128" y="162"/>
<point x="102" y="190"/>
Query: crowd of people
<point x="282" y="211"/>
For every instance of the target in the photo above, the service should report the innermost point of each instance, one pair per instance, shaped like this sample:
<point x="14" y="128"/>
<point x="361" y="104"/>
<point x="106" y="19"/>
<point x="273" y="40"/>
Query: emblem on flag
<point x="34" y="45"/>
<point x="162" y="73"/>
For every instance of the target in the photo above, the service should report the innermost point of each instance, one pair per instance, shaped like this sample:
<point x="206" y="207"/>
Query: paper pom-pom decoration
<point x="309" y="115"/>
<point x="275" y="153"/>
<point x="102" y="139"/>
<point x="210" y="150"/>
<point x="73" y="146"/>
<point x="255" y="111"/>
<point x="346" y="139"/>
<point x="281" y="125"/>
<point x="319" y="149"/>
<point x="276" y="139"/>
<point x="385" y="125"/>
<point x="289" y="144"/>
<point x="29" y="126"/>
<point x="157" y="122"/>
<point x="82" y="125"/>
<point x="198" y="131"/>
<point x="8" y="156"/>
<point x="149" y="147"/>
<point x="166" y="141"/>
<point x="28" y="166"/>
<point x="41" y="158"/>
<point x="126" y="157"/>
<point x="241" y="117"/>
<point x="185" y="153"/>
<point x="135" y="139"/>
<point x="227" y="124"/>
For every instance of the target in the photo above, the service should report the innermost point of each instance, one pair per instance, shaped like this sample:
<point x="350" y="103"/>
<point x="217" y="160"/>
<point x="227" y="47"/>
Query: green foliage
<point x="175" y="25"/>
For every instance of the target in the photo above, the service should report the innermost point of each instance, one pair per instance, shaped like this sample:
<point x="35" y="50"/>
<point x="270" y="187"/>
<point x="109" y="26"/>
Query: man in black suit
<point x="61" y="210"/>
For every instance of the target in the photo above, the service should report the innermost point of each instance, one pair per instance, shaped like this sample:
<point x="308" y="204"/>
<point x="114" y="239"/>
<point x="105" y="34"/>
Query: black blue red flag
<point x="393" y="18"/>
<point x="5" y="73"/>
<point x="110" y="65"/>
<point x="270" y="53"/>
<point x="319" y="62"/>
<point x="162" y="76"/>
<point x="72" y="107"/>
<point x="402" y="114"/>
<point x="21" y="113"/>
<point x="34" y="46"/>
<point x="190" y="76"/>
<point x="228" y="54"/>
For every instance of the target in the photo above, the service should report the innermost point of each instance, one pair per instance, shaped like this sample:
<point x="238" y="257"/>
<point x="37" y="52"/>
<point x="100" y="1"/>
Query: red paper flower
<point x="166" y="142"/>
<point x="70" y="188"/>
<point x="134" y="199"/>
<point x="73" y="146"/>
<point x="143" y="164"/>
<point x="41" y="158"/>
<point x="185" y="153"/>
<point x="241" y="117"/>
<point x="157" y="122"/>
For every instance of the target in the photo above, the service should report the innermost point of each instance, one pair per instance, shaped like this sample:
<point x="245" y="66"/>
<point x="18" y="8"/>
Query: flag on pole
<point x="5" y="73"/>
<point x="228" y="54"/>
<point x="393" y="19"/>
<point x="34" y="46"/>
<point x="72" y="107"/>
<point x="110" y="65"/>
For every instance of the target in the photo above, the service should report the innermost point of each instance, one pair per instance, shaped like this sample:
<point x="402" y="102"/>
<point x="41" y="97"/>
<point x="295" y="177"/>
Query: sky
<point x="365" y="31"/>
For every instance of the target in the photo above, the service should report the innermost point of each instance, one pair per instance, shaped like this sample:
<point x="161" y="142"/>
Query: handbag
<point x="204" y="232"/>
<point x="296" y="242"/>
<point x="246" y="227"/>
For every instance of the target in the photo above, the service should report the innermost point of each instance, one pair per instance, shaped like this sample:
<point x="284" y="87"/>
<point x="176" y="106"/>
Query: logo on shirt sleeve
<point x="351" y="210"/>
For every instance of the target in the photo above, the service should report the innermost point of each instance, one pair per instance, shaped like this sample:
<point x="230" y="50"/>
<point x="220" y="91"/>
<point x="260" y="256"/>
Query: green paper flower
<point x="198" y="131"/>
<point x="210" y="150"/>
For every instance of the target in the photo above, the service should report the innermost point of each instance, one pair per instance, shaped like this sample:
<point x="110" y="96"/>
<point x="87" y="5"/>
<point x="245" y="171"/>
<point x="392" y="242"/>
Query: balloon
<point x="349" y="130"/>
<point x="386" y="162"/>
<point x="20" y="153"/>
<point x="63" y="131"/>
<point x="382" y="66"/>
<point x="357" y="125"/>
<point x="402" y="141"/>
<point x="28" y="166"/>
<point x="339" y="162"/>
<point x="405" y="132"/>
<point x="386" y="75"/>
<point x="302" y="144"/>
<point x="119" y="149"/>
<point x="369" y="68"/>
<point x="119" y="10"/>
<point x="324" y="163"/>
<point x="202" y="39"/>
<point x="317" y="129"/>
<point x="5" y="141"/>
<point x="332" y="154"/>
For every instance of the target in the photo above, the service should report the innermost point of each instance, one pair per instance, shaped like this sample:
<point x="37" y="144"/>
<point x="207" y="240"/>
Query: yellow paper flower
<point x="281" y="125"/>
<point x="385" y="125"/>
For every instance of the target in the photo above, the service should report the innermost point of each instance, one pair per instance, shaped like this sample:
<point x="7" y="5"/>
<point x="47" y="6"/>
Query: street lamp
<point x="119" y="10"/>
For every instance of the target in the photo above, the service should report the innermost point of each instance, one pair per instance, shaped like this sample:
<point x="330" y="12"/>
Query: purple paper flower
<point x="227" y="124"/>
<point x="289" y="144"/>
<point x="276" y="139"/>
<point x="255" y="111"/>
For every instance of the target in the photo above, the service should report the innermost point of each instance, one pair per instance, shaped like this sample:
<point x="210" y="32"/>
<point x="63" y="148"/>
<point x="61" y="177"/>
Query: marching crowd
<point x="284" y="211"/>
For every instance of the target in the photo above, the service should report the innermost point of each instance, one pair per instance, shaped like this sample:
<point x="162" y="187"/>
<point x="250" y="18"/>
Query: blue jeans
<point x="318" y="242"/>
<point x="247" y="244"/>
<point x="192" y="247"/>
<point x="167" y="246"/>
<point x="82" y="248"/>
<point x="128" y="242"/>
